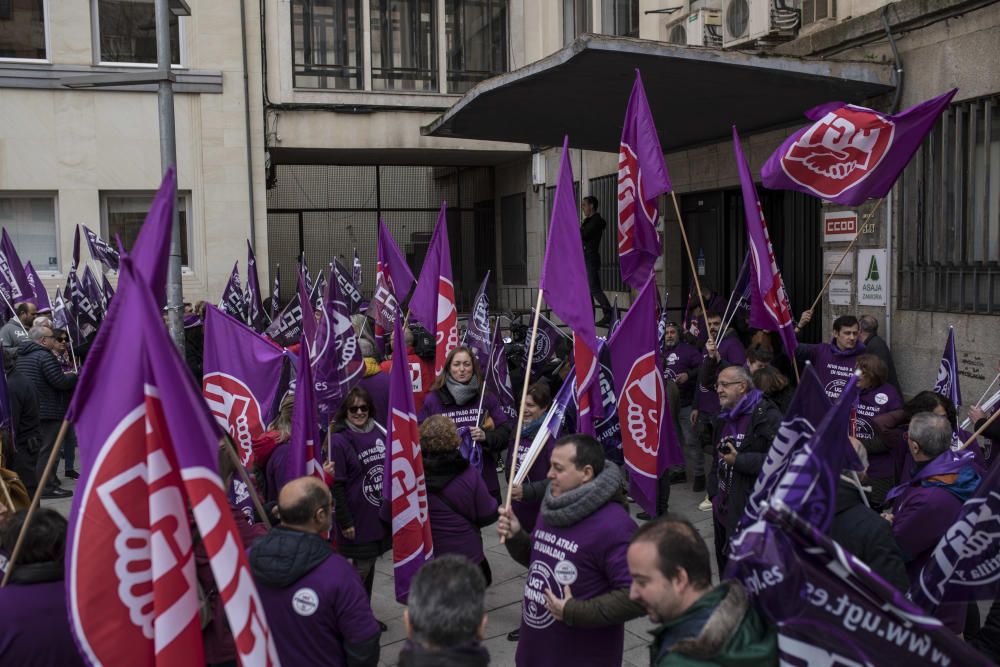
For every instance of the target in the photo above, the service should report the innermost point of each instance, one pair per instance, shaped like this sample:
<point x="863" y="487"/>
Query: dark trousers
<point x="69" y="449"/>
<point x="594" y="280"/>
<point x="49" y="429"/>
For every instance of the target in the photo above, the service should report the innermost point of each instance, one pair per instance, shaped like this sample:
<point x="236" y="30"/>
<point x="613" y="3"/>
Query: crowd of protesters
<point x="590" y="567"/>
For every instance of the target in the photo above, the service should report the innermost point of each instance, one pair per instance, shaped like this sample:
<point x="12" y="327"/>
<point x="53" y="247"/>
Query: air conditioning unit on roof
<point x="704" y="28"/>
<point x="746" y="22"/>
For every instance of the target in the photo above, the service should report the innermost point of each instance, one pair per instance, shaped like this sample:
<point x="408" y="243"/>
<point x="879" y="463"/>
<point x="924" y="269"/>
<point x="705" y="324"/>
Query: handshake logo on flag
<point x="640" y="404"/>
<point x="236" y="410"/>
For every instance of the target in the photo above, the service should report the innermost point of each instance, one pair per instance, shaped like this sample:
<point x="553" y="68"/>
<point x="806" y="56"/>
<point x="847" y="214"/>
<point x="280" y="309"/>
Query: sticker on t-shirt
<point x="565" y="572"/>
<point x="305" y="602"/>
<point x="540" y="579"/>
<point x="371" y="486"/>
<point x="881" y="398"/>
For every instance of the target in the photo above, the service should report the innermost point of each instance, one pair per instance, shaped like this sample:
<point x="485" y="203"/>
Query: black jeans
<point x="594" y="281"/>
<point x="49" y="429"/>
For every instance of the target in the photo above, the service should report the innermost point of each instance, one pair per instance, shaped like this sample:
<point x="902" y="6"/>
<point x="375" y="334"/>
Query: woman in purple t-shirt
<point x="459" y="504"/>
<point x="458" y="393"/>
<point x="527" y="501"/>
<point x="876" y="397"/>
<point x="357" y="449"/>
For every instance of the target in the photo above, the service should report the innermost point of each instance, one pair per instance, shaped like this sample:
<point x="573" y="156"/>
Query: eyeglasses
<point x="358" y="408"/>
<point x="730" y="384"/>
<point x="62" y="340"/>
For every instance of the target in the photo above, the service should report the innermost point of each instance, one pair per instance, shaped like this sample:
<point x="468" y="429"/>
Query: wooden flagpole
<point x="979" y="431"/>
<point x="49" y="467"/>
<point x="844" y="254"/>
<point x="694" y="268"/>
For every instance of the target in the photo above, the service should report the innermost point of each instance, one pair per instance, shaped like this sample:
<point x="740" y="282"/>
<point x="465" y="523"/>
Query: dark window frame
<point x="461" y="78"/>
<point x="422" y="77"/>
<point x="7" y="19"/>
<point x="148" y="40"/>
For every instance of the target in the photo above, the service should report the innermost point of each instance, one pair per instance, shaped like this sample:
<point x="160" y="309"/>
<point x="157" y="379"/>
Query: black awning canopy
<point x="695" y="94"/>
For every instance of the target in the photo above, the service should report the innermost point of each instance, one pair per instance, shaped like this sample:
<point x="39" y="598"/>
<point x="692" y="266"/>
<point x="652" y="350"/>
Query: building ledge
<point x="44" y="76"/>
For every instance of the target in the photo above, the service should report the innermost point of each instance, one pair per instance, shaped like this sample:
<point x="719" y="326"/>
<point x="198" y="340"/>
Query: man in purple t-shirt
<point x="314" y="601"/>
<point x="834" y="361"/>
<point x="576" y="594"/>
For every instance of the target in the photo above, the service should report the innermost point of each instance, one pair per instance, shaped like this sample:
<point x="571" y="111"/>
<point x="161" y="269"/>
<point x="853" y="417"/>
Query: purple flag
<point x="642" y="177"/>
<point x="966" y="563"/>
<point x="739" y="298"/>
<point x="393" y="280"/>
<point x="497" y="379"/>
<point x="12" y="271"/>
<point x="356" y="270"/>
<point x="63" y="319"/>
<point x="349" y="289"/>
<point x="616" y="316"/>
<point x="76" y="248"/>
<point x="286" y="328"/>
<point x="241" y="375"/>
<point x="93" y="291"/>
<point x="232" y="301"/>
<point x="107" y="290"/>
<point x="276" y="292"/>
<point x="39" y="296"/>
<point x="255" y="316"/>
<point x="100" y="249"/>
<point x="851" y="153"/>
<point x="317" y="295"/>
<point x="80" y="308"/>
<point x="433" y="300"/>
<point x="564" y="282"/>
<point x="769" y="307"/>
<point x="608" y="429"/>
<point x="308" y="311"/>
<point x="648" y="433"/>
<point x="832" y="609"/>
<point x="148" y="255"/>
<point x="547" y="340"/>
<point x="477" y="332"/>
<point x="404" y="491"/>
<point x="337" y="363"/>
<point x="947" y="376"/>
<point x="149" y="452"/>
<point x="305" y="456"/>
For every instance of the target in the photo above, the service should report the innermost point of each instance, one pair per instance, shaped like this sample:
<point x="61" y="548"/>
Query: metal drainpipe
<point x="889" y="208"/>
<point x="246" y="108"/>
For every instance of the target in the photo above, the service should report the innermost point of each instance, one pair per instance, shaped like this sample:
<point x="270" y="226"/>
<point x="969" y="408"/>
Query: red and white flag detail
<point x="433" y="301"/>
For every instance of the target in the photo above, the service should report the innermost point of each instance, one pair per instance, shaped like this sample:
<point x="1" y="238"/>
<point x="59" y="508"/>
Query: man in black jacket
<point x="591" y="231"/>
<point x="23" y="423"/>
<point x="874" y="344"/>
<point x="41" y="368"/>
<point x="742" y="433"/>
<point x="862" y="531"/>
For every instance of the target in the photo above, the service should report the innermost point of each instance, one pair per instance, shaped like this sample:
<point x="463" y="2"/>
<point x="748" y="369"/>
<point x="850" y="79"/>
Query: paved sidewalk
<point x="503" y="598"/>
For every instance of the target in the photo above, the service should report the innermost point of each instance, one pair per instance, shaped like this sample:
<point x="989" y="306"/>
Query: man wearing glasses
<point x="38" y="363"/>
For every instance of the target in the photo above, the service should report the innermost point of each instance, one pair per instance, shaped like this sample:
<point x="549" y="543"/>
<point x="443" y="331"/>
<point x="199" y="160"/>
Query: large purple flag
<point x="497" y="380"/>
<point x="149" y="452"/>
<point x="148" y="255"/>
<point x="241" y="373"/>
<point x="433" y="300"/>
<point x="38" y="294"/>
<point x="337" y="363"/>
<point x="551" y="429"/>
<point x="851" y="153"/>
<point x="276" y="292"/>
<point x="649" y="436"/>
<point x="404" y="490"/>
<point x="965" y="564"/>
<point x="608" y="430"/>
<point x="642" y="177"/>
<point x="93" y="290"/>
<point x="393" y="280"/>
<point x="564" y="282"/>
<point x="305" y="456"/>
<point x="477" y="331"/>
<point x="12" y="271"/>
<point x="232" y="301"/>
<point x="947" y="376"/>
<point x="769" y="307"/>
<point x="255" y="315"/>
<point x="349" y="289"/>
<point x="100" y="249"/>
<point x="547" y="340"/>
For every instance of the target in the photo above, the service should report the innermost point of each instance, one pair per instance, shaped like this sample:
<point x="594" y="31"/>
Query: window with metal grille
<point x="404" y="45"/>
<point x="514" y="240"/>
<point x="127" y="31"/>
<point x="326" y="44"/>
<point x="620" y="17"/>
<point x="949" y="240"/>
<point x="22" y="29"/>
<point x="605" y="188"/>
<point x="476" y="36"/>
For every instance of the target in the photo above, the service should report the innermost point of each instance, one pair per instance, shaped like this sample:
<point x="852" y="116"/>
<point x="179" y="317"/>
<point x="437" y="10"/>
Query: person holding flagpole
<point x="877" y="396"/>
<point x="457" y="393"/>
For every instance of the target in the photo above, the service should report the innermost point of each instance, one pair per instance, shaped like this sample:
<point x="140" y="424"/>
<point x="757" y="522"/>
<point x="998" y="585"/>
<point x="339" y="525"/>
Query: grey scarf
<point x="367" y="428"/>
<point x="463" y="393"/>
<point x="574" y="506"/>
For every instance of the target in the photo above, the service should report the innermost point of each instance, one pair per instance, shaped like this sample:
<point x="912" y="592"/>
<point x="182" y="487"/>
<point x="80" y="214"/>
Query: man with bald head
<point x="315" y="604"/>
<point x="742" y="433"/>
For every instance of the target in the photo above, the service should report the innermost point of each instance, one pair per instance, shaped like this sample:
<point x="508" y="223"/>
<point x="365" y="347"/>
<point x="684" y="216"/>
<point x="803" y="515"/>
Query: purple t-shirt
<point x="871" y="403"/>
<point x="682" y="358"/>
<point x="276" y="472"/>
<point x="589" y="557"/>
<point x="358" y="460"/>
<point x="311" y="619"/>
<point x="467" y="415"/>
<point x="834" y="366"/>
<point x="34" y="626"/>
<point x="732" y="352"/>
<point x="454" y="534"/>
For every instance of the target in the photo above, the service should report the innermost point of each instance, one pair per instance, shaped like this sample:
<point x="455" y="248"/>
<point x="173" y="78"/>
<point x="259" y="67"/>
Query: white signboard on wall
<point x="873" y="271"/>
<point x="840" y="291"/>
<point x="830" y="259"/>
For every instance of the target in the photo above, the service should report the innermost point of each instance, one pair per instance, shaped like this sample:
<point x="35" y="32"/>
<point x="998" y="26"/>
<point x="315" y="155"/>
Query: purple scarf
<point x="737" y="419"/>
